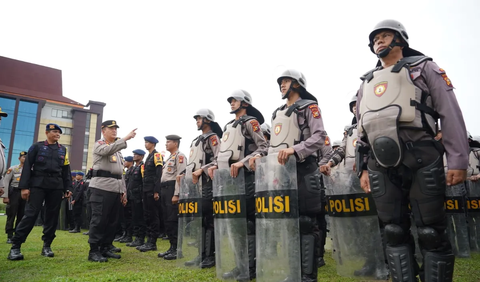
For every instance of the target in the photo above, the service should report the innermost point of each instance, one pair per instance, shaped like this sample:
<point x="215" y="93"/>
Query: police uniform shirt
<point x="44" y="158"/>
<point x="433" y="80"/>
<point x="252" y="131"/>
<point x="107" y="157"/>
<point x="175" y="164"/>
<point x="212" y="148"/>
<point x="136" y="177"/>
<point x="12" y="178"/>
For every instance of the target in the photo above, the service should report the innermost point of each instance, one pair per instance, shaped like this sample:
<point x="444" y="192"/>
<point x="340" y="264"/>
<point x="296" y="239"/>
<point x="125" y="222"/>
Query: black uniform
<point x="127" y="211"/>
<point x="135" y="191"/>
<point x="46" y="173"/>
<point x="78" y="195"/>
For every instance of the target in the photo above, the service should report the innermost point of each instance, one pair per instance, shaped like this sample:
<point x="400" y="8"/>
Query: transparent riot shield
<point x="277" y="227"/>
<point x="473" y="206"/>
<point x="457" y="227"/>
<point x="229" y="208"/>
<point x="190" y="243"/>
<point x="357" y="243"/>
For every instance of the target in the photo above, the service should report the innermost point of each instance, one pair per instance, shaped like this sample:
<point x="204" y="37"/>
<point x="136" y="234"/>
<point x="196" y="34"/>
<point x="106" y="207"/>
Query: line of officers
<point x="255" y="202"/>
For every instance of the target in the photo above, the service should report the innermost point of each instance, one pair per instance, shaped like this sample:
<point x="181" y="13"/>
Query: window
<point x="25" y="128"/>
<point x="66" y="130"/>
<point x="8" y="106"/>
<point x="61" y="113"/>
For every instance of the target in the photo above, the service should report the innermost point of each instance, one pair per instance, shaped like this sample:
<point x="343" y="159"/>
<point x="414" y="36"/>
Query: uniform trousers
<point x="14" y="210"/>
<point x="105" y="216"/>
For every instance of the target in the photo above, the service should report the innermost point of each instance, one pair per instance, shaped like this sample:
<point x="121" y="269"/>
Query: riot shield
<point x="473" y="206"/>
<point x="229" y="208"/>
<point x="277" y="227"/>
<point x="190" y="243"/>
<point x="357" y="243"/>
<point x="457" y="229"/>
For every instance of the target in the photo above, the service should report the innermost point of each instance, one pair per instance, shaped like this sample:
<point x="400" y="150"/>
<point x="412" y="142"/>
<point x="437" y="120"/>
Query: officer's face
<point x="234" y="104"/>
<point x="171" y="145"/>
<point x="285" y="85"/>
<point x="110" y="133"/>
<point x="354" y="109"/>
<point x="53" y="135"/>
<point x="199" y="121"/>
<point x="137" y="157"/>
<point x="22" y="159"/>
<point x="382" y="40"/>
<point x="149" y="145"/>
<point x="78" y="177"/>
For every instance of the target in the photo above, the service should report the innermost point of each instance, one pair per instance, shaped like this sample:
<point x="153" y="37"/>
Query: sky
<point x="155" y="63"/>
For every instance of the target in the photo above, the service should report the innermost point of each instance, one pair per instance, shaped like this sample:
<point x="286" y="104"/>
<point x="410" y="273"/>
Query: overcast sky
<point x="155" y="63"/>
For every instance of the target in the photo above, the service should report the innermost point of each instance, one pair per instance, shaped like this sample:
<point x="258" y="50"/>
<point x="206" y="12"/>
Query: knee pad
<point x="394" y="234"/>
<point x="429" y="238"/>
<point x="306" y="224"/>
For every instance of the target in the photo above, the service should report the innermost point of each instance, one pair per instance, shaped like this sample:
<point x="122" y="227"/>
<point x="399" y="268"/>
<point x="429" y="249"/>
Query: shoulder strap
<point x="242" y="120"/>
<point x="369" y="75"/>
<point x="410" y="62"/>
<point x="299" y="105"/>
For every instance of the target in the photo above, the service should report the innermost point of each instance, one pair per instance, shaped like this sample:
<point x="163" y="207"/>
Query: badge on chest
<point x="113" y="159"/>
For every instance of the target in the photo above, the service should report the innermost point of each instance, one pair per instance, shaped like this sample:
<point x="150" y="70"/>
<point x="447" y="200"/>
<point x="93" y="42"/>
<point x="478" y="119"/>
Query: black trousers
<point x="70" y="222"/>
<point x="170" y="213"/>
<point x="77" y="214"/>
<point x="127" y="218"/>
<point x="138" y="222"/>
<point x="105" y="215"/>
<point x="15" y="210"/>
<point x="53" y="200"/>
<point x="151" y="213"/>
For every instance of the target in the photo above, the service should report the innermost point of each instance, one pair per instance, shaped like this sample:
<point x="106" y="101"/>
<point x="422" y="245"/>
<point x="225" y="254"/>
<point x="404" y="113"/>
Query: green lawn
<point x="70" y="264"/>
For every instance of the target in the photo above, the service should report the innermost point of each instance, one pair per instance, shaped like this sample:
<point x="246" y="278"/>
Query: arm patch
<point x="214" y="140"/>
<point x="315" y="111"/>
<point x="255" y="125"/>
<point x="158" y="159"/>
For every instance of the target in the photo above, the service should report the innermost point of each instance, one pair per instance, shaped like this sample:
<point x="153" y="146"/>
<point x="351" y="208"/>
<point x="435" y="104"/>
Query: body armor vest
<point x="473" y="162"/>
<point x="234" y="145"/>
<point x="286" y="129"/>
<point x="391" y="102"/>
<point x="351" y="142"/>
<point x="149" y="172"/>
<point x="198" y="157"/>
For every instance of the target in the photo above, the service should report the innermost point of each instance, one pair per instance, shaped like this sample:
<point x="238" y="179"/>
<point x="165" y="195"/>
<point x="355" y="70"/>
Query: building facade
<point x="32" y="96"/>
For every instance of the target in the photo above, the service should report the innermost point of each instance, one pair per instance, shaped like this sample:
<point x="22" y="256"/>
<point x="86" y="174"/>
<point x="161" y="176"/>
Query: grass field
<point x="70" y="263"/>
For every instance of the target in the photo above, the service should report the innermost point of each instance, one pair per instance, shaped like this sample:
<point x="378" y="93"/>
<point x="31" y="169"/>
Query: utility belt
<point x="104" y="173"/>
<point x="47" y="174"/>
<point x="410" y="145"/>
<point x="167" y="184"/>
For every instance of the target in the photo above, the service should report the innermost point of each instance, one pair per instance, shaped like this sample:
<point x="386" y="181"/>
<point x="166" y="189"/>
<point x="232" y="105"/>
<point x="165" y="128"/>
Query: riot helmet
<point x="243" y="96"/>
<point x="208" y="115"/>
<point x="266" y="129"/>
<point x="336" y="143"/>
<point x="352" y="103"/>
<point x="298" y="77"/>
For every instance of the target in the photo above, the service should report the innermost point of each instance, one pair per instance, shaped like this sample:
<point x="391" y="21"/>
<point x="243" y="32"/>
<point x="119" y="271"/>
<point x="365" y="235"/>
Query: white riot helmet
<point x="296" y="76"/>
<point x="353" y="102"/>
<point x="209" y="116"/>
<point x="336" y="143"/>
<point x="469" y="136"/>
<point x="266" y="129"/>
<point x="244" y="96"/>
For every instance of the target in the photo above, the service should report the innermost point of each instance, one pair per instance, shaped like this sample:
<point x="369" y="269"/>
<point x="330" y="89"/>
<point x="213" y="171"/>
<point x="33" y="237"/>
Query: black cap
<point x="110" y="123"/>
<point x="23" y="153"/>
<point x="173" y="137"/>
<point x="53" y="126"/>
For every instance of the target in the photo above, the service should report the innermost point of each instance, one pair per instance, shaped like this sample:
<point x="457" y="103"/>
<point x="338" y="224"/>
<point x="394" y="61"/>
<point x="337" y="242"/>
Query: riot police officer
<point x="45" y="177"/>
<point x="203" y="150"/>
<point x="108" y="192"/>
<point x="299" y="132"/>
<point x="174" y="165"/>
<point x="398" y="159"/>
<point x="135" y="188"/>
<point x="152" y="175"/>
<point x="15" y="204"/>
<point x="242" y="140"/>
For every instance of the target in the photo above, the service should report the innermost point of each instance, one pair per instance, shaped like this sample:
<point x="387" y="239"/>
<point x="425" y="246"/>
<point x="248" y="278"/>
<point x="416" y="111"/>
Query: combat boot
<point x="151" y="245"/>
<point x="107" y="253"/>
<point x="95" y="255"/>
<point x="86" y="233"/>
<point x="194" y="262"/>
<point x="126" y="239"/>
<point x="15" y="253"/>
<point x="47" y="251"/>
<point x="172" y="255"/>
<point x="321" y="262"/>
<point x="161" y="255"/>
<point x="208" y="262"/>
<point x="75" y="230"/>
<point x="114" y="249"/>
<point x="137" y="242"/>
<point x="9" y="238"/>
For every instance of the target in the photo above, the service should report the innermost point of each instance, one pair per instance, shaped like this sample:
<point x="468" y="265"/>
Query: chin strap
<point x="394" y="43"/>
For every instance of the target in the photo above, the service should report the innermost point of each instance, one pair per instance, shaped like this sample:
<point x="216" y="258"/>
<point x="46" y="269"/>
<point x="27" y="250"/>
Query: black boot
<point x="173" y="254"/>
<point x="151" y="245"/>
<point x="95" y="255"/>
<point x="15" y="253"/>
<point x="126" y="239"/>
<point x="309" y="258"/>
<point x="47" y="251"/>
<point x="86" y="233"/>
<point x="320" y="262"/>
<point x="107" y="252"/>
<point x="161" y="255"/>
<point x="75" y="230"/>
<point x="114" y="249"/>
<point x="137" y="242"/>
<point x="9" y="238"/>
<point x="194" y="262"/>
<point x="252" y="257"/>
<point x="209" y="254"/>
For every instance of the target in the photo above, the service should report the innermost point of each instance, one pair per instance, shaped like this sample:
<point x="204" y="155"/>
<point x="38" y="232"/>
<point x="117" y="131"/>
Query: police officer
<point x="45" y="177"/>
<point x="245" y="141"/>
<point x="77" y="202"/>
<point x="15" y="204"/>
<point x="152" y="175"/>
<point x="174" y="165"/>
<point x="307" y="140"/>
<point x="203" y="150"/>
<point x="398" y="159"/>
<point x="266" y="132"/>
<point x="2" y="161"/>
<point x="108" y="191"/>
<point x="135" y="188"/>
<point x="126" y="210"/>
<point x="87" y="193"/>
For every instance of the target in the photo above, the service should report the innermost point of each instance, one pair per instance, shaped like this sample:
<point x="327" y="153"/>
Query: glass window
<point x="8" y="106"/>
<point x="54" y="113"/>
<point x="25" y="128"/>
